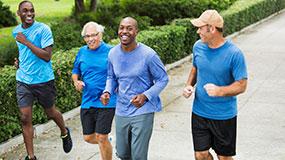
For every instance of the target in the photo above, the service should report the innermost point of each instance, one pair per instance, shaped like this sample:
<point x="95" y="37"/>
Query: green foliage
<point x="243" y="13"/>
<point x="191" y="35"/>
<point x="67" y="97"/>
<point x="7" y="53"/>
<point x="7" y="18"/>
<point x="8" y="126"/>
<point x="67" y="35"/>
<point x="167" y="41"/>
<point x="163" y="11"/>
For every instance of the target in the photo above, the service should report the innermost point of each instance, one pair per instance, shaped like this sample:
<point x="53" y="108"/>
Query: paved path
<point x="261" y="119"/>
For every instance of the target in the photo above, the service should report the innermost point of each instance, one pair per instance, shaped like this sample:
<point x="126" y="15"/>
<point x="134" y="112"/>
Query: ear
<point x="212" y="29"/>
<point x="18" y="12"/>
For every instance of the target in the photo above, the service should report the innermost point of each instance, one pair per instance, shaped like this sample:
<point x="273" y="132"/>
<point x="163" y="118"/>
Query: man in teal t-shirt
<point x="219" y="74"/>
<point x="35" y="78"/>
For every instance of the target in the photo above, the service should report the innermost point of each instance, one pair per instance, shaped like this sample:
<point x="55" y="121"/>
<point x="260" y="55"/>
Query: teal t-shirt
<point x="221" y="66"/>
<point x="32" y="69"/>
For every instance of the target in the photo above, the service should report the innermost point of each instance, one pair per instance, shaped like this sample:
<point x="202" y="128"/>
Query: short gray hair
<point x="99" y="28"/>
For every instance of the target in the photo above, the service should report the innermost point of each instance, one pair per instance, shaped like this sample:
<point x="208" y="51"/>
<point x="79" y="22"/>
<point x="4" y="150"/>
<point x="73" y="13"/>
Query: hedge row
<point x="244" y="12"/>
<point x="172" y="42"/>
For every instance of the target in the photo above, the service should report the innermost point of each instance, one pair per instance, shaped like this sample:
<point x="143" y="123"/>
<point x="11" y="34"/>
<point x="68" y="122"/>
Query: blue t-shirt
<point x="91" y="66"/>
<point x="32" y="69"/>
<point x="137" y="72"/>
<point x="221" y="66"/>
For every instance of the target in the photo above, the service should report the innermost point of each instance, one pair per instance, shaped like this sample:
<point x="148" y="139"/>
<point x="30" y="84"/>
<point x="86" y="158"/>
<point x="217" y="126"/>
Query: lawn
<point x="47" y="11"/>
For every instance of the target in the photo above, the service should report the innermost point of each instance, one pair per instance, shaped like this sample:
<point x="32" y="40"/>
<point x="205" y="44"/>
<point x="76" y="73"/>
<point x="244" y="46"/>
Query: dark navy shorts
<point x="220" y="135"/>
<point x="97" y="120"/>
<point x="44" y="93"/>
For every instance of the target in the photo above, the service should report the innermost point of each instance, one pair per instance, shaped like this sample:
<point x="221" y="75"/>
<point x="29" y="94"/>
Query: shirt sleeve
<point x="46" y="38"/>
<point x="111" y="83"/>
<point x="239" y="69"/>
<point x="160" y="78"/>
<point x="76" y="65"/>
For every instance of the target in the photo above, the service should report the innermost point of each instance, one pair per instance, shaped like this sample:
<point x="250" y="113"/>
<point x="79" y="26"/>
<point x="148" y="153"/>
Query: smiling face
<point x="92" y="37"/>
<point x="26" y="12"/>
<point x="205" y="33"/>
<point x="128" y="31"/>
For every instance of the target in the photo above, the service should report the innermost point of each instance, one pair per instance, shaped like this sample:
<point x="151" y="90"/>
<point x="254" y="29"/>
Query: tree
<point x="93" y="4"/>
<point x="80" y="7"/>
<point x="7" y="18"/>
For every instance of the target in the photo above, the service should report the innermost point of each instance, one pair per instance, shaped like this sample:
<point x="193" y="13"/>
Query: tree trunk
<point x="79" y="6"/>
<point x="93" y="4"/>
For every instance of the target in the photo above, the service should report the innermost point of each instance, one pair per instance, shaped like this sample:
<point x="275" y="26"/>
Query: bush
<point x="191" y="35"/>
<point x="243" y="13"/>
<point x="7" y="18"/>
<point x="67" y="35"/>
<point x="111" y="24"/>
<point x="163" y="11"/>
<point x="167" y="41"/>
<point x="8" y="53"/>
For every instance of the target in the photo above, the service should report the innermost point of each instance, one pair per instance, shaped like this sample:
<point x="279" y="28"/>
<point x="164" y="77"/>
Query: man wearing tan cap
<point x="218" y="74"/>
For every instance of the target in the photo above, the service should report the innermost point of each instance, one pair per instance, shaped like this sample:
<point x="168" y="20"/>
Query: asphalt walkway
<point x="261" y="118"/>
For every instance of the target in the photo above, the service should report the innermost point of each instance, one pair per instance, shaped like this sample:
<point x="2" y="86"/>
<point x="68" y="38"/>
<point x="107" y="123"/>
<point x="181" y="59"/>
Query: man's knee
<point x="203" y="155"/>
<point x="90" y="139"/>
<point x="102" y="138"/>
<point x="52" y="112"/>
<point x="26" y="119"/>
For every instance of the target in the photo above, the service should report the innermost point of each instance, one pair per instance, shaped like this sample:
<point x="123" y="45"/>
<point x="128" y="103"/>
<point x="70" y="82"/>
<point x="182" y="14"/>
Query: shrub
<point x="8" y="53"/>
<point x="67" y="35"/>
<point x="7" y="18"/>
<point x="167" y="41"/>
<point x="191" y="35"/>
<point x="163" y="11"/>
<point x="243" y="13"/>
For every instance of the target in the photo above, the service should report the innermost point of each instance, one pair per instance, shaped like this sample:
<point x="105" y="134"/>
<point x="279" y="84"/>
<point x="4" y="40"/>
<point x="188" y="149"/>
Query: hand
<point x="138" y="100"/>
<point x="21" y="38"/>
<point x="79" y="85"/>
<point x="105" y="97"/>
<point x="187" y="91"/>
<point x="212" y="90"/>
<point x="16" y="63"/>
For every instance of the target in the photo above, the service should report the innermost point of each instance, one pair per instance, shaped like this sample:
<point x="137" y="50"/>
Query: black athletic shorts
<point x="44" y="93"/>
<point x="97" y="120"/>
<point x="220" y="135"/>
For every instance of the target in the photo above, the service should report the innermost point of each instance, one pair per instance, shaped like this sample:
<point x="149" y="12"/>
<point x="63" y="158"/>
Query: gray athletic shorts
<point x="44" y="93"/>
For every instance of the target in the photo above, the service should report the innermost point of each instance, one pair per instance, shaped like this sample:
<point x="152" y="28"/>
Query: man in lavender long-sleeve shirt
<point x="138" y="75"/>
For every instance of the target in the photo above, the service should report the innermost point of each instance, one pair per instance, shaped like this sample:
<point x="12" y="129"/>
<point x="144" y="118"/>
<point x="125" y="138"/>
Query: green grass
<point x="46" y="11"/>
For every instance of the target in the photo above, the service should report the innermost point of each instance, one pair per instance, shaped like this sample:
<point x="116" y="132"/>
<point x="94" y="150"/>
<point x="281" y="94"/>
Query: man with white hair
<point x="90" y="74"/>
<point x="219" y="74"/>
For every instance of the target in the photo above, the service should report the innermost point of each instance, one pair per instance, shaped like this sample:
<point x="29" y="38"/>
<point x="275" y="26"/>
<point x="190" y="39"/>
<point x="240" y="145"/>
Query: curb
<point x="39" y="129"/>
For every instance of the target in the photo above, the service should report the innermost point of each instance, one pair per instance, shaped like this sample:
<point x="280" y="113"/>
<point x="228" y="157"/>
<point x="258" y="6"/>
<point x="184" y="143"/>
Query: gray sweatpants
<point x="133" y="135"/>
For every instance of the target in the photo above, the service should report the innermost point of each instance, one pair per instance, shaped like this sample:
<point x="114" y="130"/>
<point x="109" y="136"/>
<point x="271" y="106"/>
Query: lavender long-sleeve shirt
<point x="137" y="72"/>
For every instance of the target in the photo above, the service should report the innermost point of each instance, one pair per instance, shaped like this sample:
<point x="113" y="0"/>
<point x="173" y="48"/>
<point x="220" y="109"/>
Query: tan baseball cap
<point x="211" y="17"/>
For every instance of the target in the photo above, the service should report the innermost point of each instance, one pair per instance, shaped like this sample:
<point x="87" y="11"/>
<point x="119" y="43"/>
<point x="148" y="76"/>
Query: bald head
<point x="130" y="20"/>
